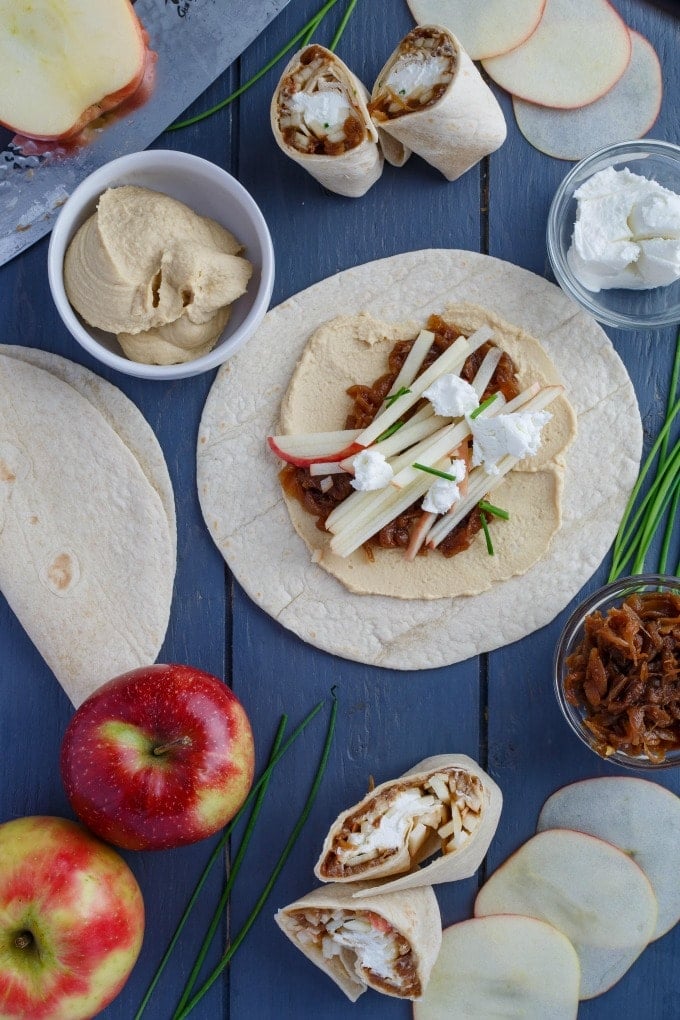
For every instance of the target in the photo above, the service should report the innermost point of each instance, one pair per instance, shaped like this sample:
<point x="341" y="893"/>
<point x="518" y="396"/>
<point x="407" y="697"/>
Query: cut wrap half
<point x="388" y="943"/>
<point x="429" y="98"/>
<point x="445" y="805"/>
<point x="320" y="119"/>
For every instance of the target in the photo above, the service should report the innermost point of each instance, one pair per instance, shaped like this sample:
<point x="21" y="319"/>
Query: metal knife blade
<point x="195" y="41"/>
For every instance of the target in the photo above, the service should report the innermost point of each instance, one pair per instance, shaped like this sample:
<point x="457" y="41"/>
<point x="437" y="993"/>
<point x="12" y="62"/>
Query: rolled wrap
<point x="414" y="917"/>
<point x="320" y="119"/>
<point x="410" y="835"/>
<point x="458" y="121"/>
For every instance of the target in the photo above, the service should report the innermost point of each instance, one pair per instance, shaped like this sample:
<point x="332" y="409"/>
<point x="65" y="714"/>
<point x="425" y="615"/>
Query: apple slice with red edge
<point x="483" y="29"/>
<point x="315" y="447"/>
<point x="158" y="757"/>
<point x="67" y="62"/>
<point x="578" y="52"/>
<point x="586" y="888"/>
<point x="639" y="817"/>
<point x="71" y="921"/>
<point x="502" y="966"/>
<point x="627" y="111"/>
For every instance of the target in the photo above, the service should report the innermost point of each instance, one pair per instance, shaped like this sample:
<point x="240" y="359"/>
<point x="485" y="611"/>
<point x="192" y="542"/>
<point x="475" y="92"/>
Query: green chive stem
<point x="292" y="839"/>
<point x="673" y="389"/>
<point x="487" y="535"/>
<point x="312" y="25"/>
<point x="402" y="391"/>
<point x="435" y="471"/>
<point x="218" y="850"/>
<point x="390" y="431"/>
<point x="233" y="872"/>
<point x="658" y="507"/>
<point x="483" y="406"/>
<point x="343" y="25"/>
<point x="495" y="511"/>
<point x="668" y="533"/>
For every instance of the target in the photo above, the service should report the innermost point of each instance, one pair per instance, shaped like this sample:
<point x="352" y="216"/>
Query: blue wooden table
<point x="500" y="708"/>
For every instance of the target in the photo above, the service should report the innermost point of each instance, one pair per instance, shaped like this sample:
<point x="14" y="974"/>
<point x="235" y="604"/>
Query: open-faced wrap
<point x="388" y="942"/>
<point x="445" y="805"/>
<point x="87" y="550"/>
<point x="320" y="119"/>
<point x="431" y="99"/>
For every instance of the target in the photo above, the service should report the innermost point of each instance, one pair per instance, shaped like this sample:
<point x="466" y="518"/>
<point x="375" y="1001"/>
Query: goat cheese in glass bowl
<point x="614" y="234"/>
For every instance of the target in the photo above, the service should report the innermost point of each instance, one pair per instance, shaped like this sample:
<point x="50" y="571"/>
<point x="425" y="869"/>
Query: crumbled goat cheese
<point x="442" y="494"/>
<point x="323" y="111"/>
<point x="626" y="234"/>
<point x="408" y="75"/>
<point x="452" y="396"/>
<point x="516" y="435"/>
<point x="371" y="471"/>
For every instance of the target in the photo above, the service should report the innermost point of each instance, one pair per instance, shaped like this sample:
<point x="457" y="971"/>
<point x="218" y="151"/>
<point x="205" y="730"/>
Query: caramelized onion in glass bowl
<point x="617" y="671"/>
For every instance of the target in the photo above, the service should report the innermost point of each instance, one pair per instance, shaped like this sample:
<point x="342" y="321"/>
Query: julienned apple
<point x="71" y="921"/>
<point x="158" y="757"/>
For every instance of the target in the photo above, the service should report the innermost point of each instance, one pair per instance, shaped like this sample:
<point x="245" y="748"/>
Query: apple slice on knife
<point x="66" y="62"/>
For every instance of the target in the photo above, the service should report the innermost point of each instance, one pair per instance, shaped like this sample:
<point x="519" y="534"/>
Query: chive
<point x="436" y="471"/>
<point x="343" y="25"/>
<point x="663" y="492"/>
<point x="487" y="535"/>
<point x="483" y="406"/>
<point x="285" y="853"/>
<point x="390" y="431"/>
<point x="402" y="391"/>
<point x="304" y="34"/>
<point x="495" y="511"/>
<point x="233" y="872"/>
<point x="264" y="778"/>
<point x="673" y="389"/>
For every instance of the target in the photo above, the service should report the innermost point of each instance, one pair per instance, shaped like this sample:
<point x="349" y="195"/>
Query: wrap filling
<point x="423" y="69"/>
<point x="363" y="945"/>
<point x="438" y="812"/>
<point x="317" y="110"/>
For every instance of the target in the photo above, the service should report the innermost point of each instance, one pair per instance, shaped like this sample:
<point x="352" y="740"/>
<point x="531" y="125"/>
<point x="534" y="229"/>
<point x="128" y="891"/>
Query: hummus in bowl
<point x="161" y="265"/>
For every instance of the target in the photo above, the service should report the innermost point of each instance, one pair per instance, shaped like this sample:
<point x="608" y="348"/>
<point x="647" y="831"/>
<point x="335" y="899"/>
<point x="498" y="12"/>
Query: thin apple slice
<point x="578" y="52"/>
<point x="483" y="29"/>
<point x="586" y="888"/>
<point x="627" y="111"/>
<point x="314" y="447"/>
<point x="66" y="62"/>
<point x="639" y="817"/>
<point x="505" y="966"/>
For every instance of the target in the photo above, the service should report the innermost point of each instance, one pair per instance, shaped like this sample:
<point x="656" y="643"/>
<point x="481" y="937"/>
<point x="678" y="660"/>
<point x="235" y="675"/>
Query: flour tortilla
<point x="445" y="867"/>
<point x="414" y="914"/>
<point x="250" y="522"/>
<point x="351" y="173"/>
<point x="86" y="549"/>
<point x="339" y="356"/>
<point x="122" y="415"/>
<point x="452" y="134"/>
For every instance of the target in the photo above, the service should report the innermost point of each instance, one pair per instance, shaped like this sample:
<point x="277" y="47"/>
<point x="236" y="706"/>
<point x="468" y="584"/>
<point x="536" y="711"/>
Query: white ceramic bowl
<point x="626" y="309"/>
<point x="208" y="190"/>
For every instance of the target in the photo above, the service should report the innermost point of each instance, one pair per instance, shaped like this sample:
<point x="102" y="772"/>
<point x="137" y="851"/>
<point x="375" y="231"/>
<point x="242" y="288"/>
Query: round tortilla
<point x="247" y="516"/>
<point x="122" y="415"/>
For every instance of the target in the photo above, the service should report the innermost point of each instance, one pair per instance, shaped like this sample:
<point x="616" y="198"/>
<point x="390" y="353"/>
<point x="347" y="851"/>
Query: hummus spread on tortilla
<point x="162" y="278"/>
<point x="353" y="350"/>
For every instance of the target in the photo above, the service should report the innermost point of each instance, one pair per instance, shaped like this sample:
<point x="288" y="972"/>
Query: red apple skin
<point x="298" y="461"/>
<point x="77" y="905"/>
<point x="159" y="757"/>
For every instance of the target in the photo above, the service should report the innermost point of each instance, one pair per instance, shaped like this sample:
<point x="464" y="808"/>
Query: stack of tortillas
<point x="87" y="520"/>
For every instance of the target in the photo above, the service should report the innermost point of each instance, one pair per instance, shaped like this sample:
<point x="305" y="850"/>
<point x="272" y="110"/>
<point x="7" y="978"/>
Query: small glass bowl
<point x="626" y="309"/>
<point x="605" y="599"/>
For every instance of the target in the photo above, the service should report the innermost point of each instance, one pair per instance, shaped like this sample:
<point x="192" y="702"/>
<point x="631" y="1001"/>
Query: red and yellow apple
<point x="71" y="921"/>
<point x="66" y="62"/>
<point x="159" y="757"/>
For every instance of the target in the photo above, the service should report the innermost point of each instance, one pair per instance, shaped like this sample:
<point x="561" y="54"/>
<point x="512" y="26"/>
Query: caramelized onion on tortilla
<point x="299" y="483"/>
<point x="625" y="673"/>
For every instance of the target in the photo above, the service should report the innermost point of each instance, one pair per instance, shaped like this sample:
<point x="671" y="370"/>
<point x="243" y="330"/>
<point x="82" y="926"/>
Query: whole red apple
<point x="158" y="757"/>
<point x="71" y="921"/>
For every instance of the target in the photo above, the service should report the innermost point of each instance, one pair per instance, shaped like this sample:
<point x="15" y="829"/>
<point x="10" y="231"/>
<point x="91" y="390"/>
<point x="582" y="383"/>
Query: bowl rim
<point x="593" y="601"/>
<point x="62" y="233"/>
<point x="558" y="262"/>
